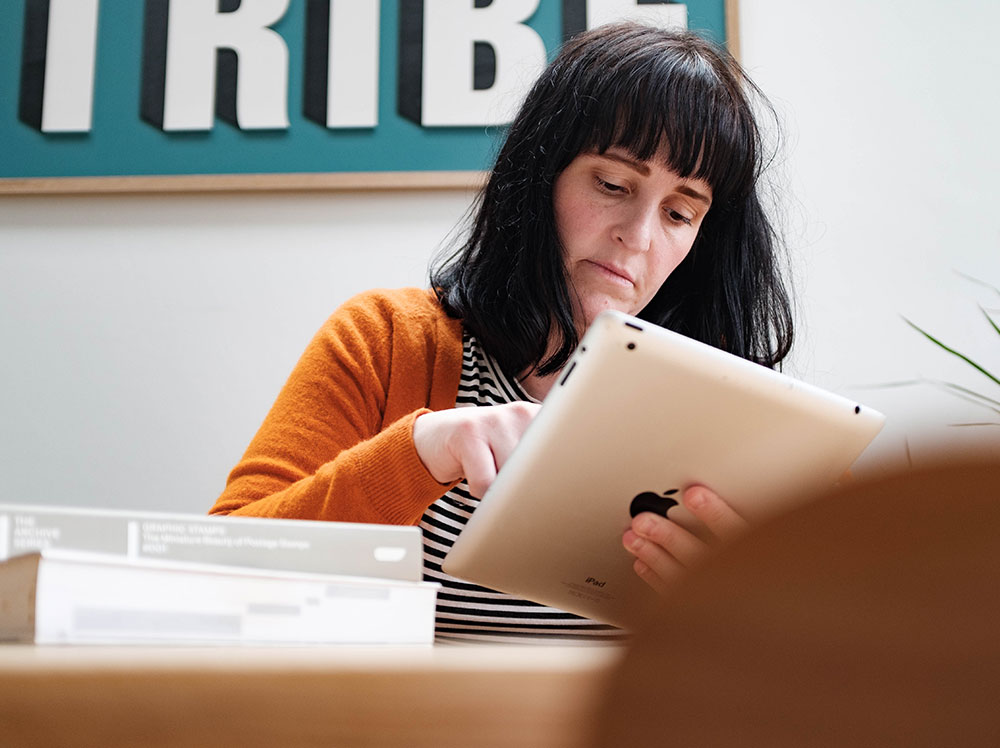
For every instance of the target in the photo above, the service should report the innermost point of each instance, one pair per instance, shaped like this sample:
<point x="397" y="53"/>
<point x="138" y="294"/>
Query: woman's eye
<point x="609" y="186"/>
<point x="679" y="217"/>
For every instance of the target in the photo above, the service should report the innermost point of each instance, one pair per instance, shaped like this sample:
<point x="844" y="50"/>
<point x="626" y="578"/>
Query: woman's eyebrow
<point x="643" y="169"/>
<point x="639" y="166"/>
<point x="693" y="193"/>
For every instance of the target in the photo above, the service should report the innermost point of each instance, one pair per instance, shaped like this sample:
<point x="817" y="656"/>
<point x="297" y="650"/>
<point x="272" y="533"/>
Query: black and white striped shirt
<point x="467" y="611"/>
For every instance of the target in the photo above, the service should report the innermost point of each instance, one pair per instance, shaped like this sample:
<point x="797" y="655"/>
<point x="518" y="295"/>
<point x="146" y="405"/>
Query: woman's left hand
<point x="664" y="550"/>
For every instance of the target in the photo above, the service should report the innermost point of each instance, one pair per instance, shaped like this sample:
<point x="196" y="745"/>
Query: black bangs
<point x="668" y="98"/>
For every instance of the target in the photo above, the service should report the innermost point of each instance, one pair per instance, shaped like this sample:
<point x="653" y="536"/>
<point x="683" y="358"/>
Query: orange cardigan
<point x="338" y="442"/>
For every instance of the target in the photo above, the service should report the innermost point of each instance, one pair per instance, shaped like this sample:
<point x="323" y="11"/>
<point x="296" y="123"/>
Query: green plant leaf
<point x="983" y="283"/>
<point x="952" y="351"/>
<point x="989" y="319"/>
<point x="970" y="395"/>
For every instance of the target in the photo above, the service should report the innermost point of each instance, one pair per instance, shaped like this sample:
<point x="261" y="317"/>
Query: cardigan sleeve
<point x="338" y="442"/>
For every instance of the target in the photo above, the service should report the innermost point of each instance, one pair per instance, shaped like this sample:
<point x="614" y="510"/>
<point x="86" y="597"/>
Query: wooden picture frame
<point x="66" y="163"/>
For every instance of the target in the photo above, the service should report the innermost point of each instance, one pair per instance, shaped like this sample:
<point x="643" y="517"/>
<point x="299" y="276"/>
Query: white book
<point x="351" y="548"/>
<point x="65" y="597"/>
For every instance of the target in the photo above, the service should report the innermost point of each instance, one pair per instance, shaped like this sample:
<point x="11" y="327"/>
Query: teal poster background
<point x="120" y="143"/>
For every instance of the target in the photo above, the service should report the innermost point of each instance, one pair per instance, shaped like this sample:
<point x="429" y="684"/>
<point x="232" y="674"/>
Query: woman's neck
<point x="536" y="386"/>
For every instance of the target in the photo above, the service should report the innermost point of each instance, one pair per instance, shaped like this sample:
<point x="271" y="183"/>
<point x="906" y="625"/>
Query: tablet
<point x="639" y="414"/>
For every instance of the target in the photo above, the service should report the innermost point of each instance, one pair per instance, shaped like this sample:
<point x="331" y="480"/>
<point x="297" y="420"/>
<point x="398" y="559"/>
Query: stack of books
<point x="99" y="576"/>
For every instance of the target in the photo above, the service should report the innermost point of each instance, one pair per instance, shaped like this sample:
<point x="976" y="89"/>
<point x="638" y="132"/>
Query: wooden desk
<point x="447" y="695"/>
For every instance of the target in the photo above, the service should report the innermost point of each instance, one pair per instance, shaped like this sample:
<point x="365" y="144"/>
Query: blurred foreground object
<point x="869" y="617"/>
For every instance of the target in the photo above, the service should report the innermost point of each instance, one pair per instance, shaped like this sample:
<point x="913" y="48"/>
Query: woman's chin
<point x="593" y="309"/>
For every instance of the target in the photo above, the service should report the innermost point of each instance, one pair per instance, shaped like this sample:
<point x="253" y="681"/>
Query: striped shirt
<point x="467" y="611"/>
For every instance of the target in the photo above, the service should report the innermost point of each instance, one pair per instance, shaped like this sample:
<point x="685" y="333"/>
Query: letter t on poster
<point x="57" y="85"/>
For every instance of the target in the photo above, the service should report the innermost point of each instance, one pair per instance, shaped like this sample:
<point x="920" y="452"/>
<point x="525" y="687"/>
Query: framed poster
<point x="159" y="95"/>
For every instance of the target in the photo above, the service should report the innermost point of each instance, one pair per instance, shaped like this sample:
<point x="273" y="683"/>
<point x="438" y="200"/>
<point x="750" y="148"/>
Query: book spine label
<point x="321" y="547"/>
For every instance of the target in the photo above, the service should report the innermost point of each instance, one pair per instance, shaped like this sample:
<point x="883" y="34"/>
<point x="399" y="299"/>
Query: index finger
<point x="509" y="429"/>
<point x="478" y="466"/>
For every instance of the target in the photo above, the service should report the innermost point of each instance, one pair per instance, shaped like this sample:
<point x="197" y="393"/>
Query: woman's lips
<point x="613" y="273"/>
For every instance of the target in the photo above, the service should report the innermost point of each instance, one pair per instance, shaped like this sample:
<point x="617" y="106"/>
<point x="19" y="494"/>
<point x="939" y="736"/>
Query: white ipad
<point x="638" y="415"/>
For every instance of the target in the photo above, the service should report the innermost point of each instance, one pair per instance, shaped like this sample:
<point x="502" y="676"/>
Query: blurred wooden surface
<point x="868" y="618"/>
<point x="447" y="695"/>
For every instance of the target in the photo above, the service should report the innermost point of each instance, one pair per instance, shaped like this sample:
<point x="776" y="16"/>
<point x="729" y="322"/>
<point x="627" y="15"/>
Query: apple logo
<point x="648" y="501"/>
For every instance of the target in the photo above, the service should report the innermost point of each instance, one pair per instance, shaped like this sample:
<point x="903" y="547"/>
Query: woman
<point x="628" y="180"/>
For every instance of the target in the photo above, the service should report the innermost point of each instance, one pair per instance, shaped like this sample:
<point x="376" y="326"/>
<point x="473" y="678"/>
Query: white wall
<point x="892" y="111"/>
<point x="143" y="338"/>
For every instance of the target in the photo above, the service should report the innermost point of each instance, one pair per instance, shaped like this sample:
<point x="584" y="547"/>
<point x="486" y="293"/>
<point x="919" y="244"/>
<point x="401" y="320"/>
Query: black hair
<point x="634" y="87"/>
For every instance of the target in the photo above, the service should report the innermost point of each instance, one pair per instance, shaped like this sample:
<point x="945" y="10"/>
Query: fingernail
<point x="694" y="497"/>
<point x="632" y="541"/>
<point x="643" y="524"/>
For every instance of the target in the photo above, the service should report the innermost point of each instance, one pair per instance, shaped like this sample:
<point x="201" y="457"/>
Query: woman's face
<point x="624" y="225"/>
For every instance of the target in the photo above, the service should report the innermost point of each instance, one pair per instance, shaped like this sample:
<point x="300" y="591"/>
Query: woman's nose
<point x="635" y="227"/>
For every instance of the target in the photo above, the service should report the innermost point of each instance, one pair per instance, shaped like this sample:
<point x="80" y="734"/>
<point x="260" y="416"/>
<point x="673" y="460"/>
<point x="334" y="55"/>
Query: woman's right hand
<point x="471" y="443"/>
